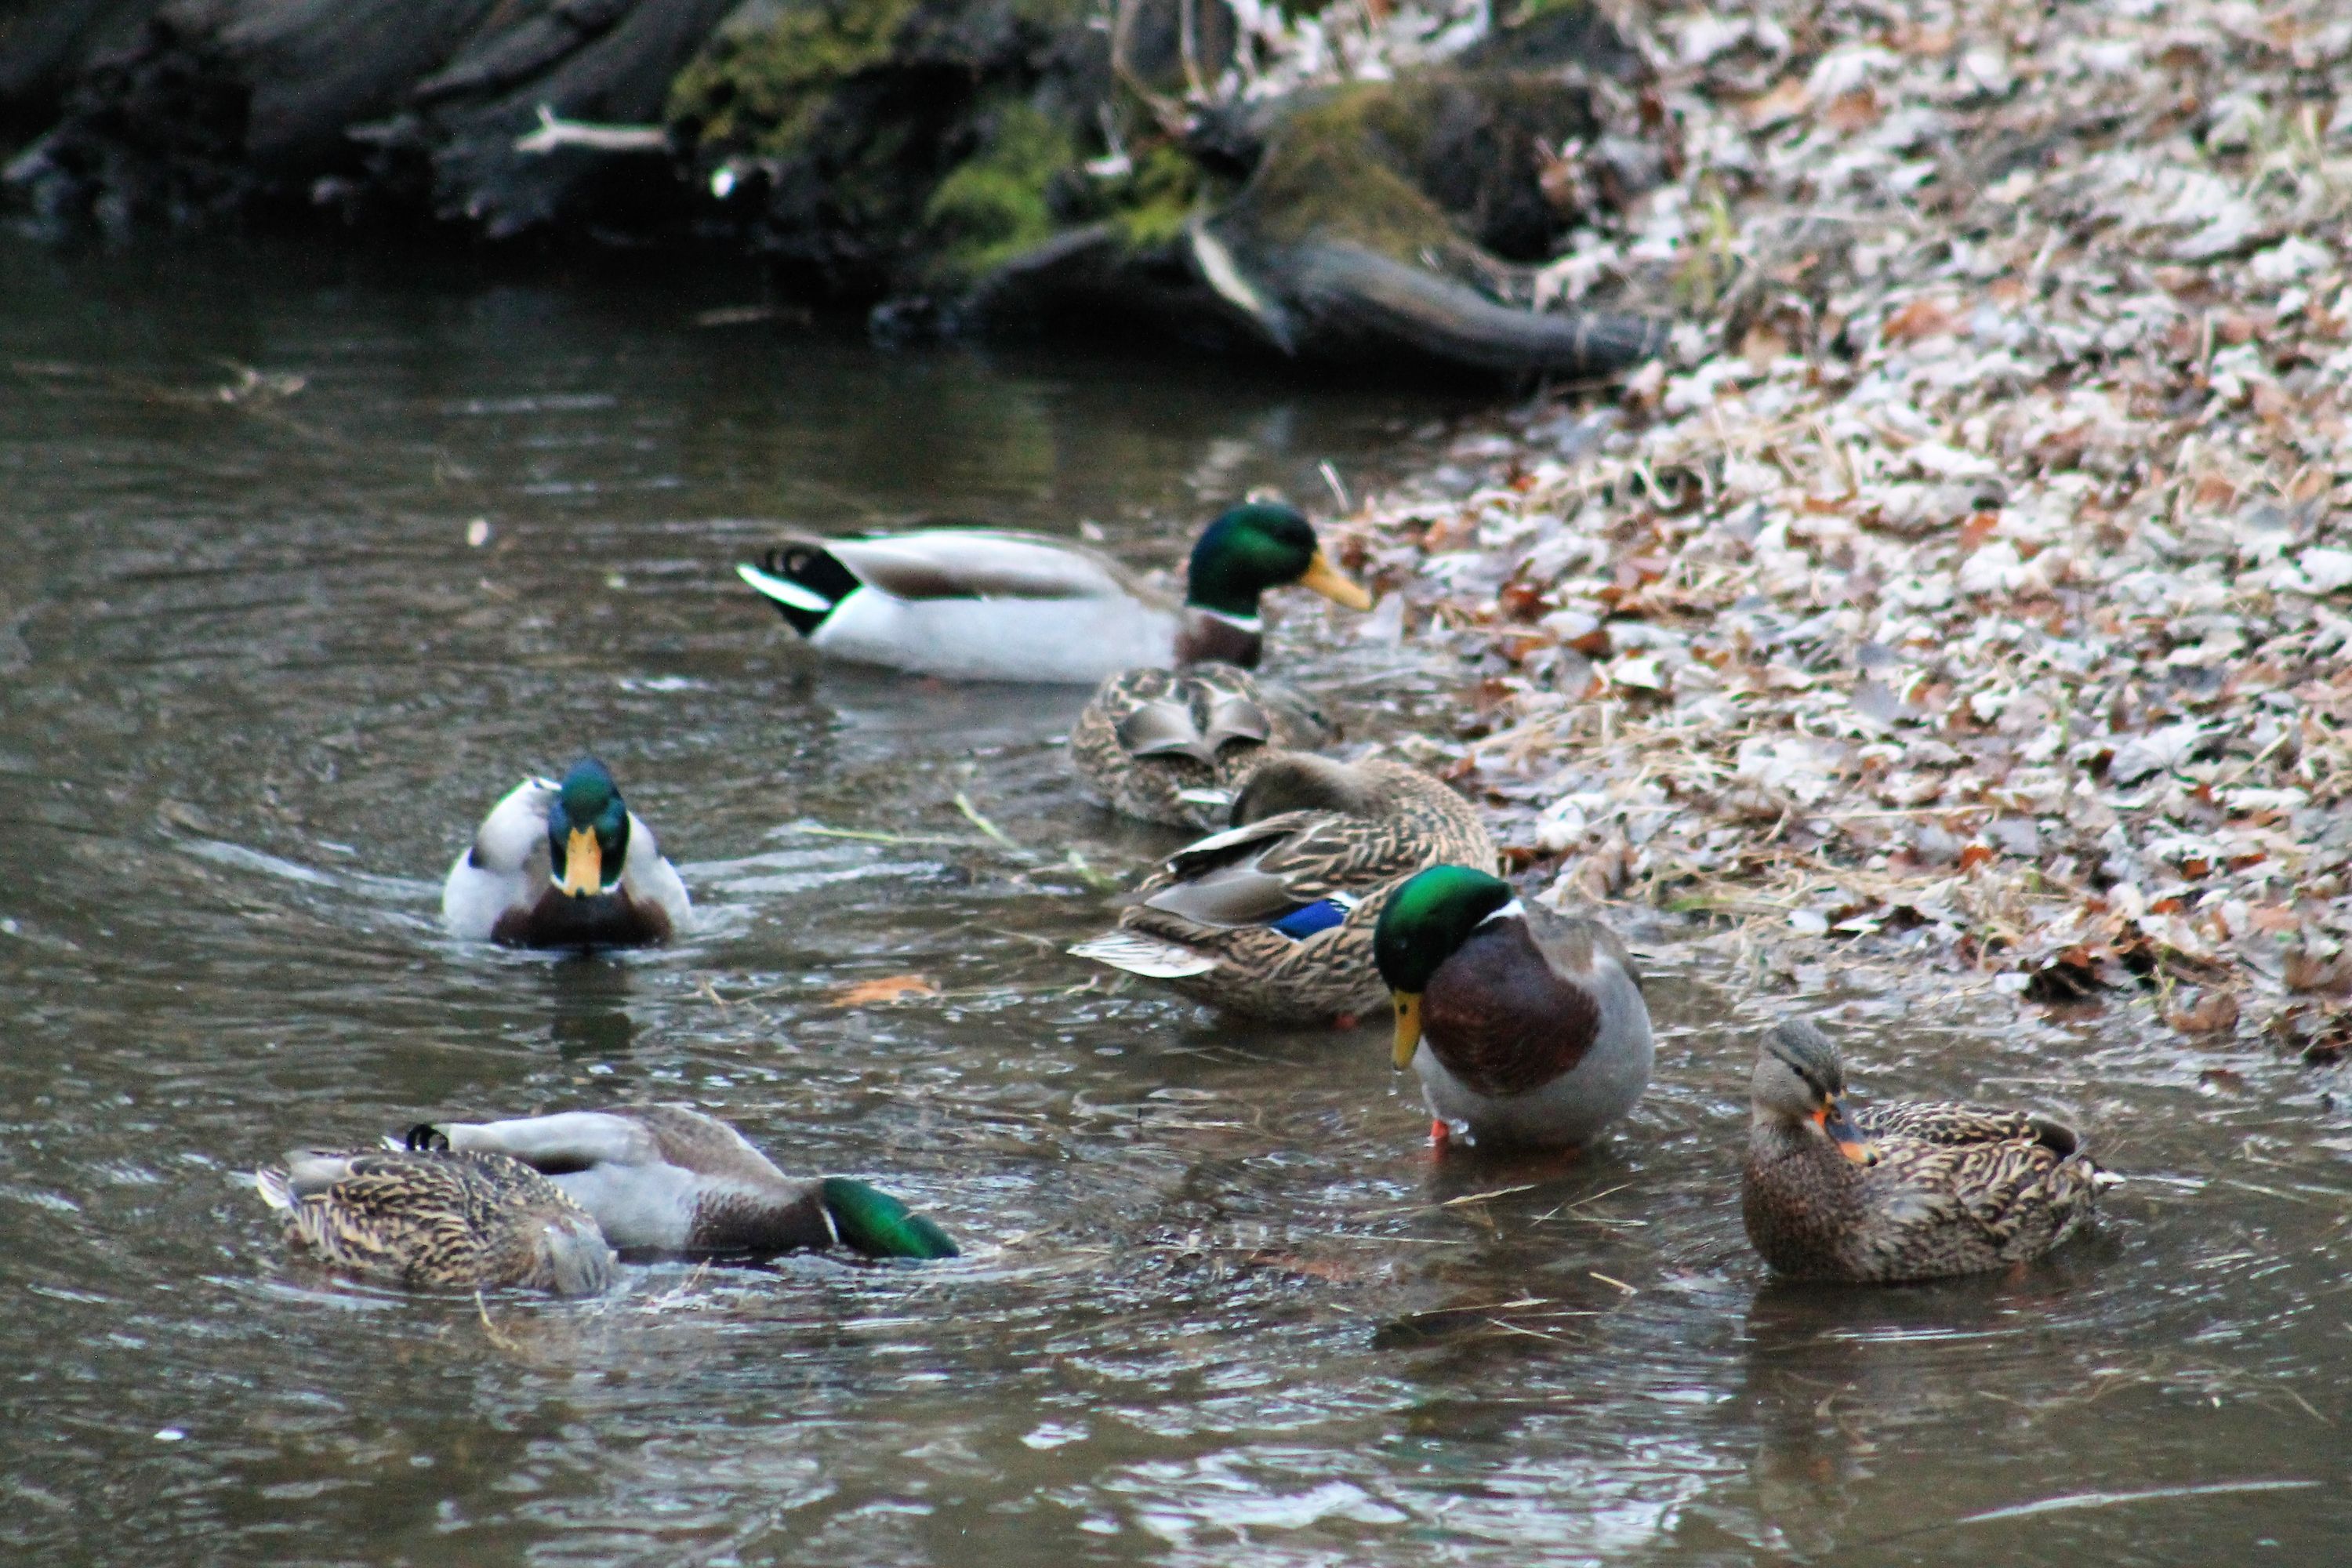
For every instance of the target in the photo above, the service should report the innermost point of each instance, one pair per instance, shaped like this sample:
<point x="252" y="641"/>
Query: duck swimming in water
<point x="978" y="604"/>
<point x="437" y="1219"/>
<point x="1176" y="746"/>
<point x="1906" y="1191"/>
<point x="1274" y="918"/>
<point x="565" y="865"/>
<point x="667" y="1181"/>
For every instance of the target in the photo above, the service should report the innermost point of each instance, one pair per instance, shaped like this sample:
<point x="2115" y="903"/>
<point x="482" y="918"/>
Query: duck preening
<point x="1176" y="746"/>
<point x="565" y="865"/>
<point x="978" y="604"/>
<point x="1891" y="1192"/>
<point x="662" y="1180"/>
<point x="1524" y="1026"/>
<point x="1274" y="918"/>
<point x="437" y="1219"/>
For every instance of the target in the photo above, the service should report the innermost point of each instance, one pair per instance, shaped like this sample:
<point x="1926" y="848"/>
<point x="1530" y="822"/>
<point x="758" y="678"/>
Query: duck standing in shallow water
<point x="565" y="865"/>
<point x="1900" y="1192"/>
<point x="439" y="1220"/>
<point x="1175" y="746"/>
<point x="978" y="604"/>
<point x="1526" y="1028"/>
<point x="665" y="1181"/>
<point x="1274" y="918"/>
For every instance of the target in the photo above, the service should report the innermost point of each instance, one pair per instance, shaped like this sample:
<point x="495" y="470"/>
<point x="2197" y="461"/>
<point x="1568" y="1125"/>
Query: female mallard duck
<point x="973" y="604"/>
<point x="663" y="1180"/>
<point x="1274" y="918"/>
<point x="437" y="1219"/>
<point x="1177" y="746"/>
<point x="1524" y="1026"/>
<point x="1898" y="1192"/>
<point x="565" y="865"/>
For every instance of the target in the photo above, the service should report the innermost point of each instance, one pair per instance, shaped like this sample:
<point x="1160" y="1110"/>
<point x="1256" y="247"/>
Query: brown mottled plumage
<point x="1311" y="832"/>
<point x="1901" y="1192"/>
<point x="1177" y="746"/>
<point x="451" y="1220"/>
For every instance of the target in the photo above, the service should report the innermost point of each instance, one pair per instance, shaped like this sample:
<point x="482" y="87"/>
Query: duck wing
<point x="977" y="563"/>
<point x="1954" y="1123"/>
<point x="561" y="1144"/>
<point x="1575" y="949"/>
<point x="2011" y="1193"/>
<point x="515" y="832"/>
<point x="700" y="1143"/>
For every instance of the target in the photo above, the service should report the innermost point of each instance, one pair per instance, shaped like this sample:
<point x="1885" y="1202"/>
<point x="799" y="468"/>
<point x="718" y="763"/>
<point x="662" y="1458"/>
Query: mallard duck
<point x="975" y="605"/>
<point x="1177" y="746"/>
<point x="663" y="1180"/>
<point x="565" y="865"/>
<point x="437" y="1219"/>
<point x="1524" y="1026"/>
<point x="1898" y="1192"/>
<point x="1274" y="918"/>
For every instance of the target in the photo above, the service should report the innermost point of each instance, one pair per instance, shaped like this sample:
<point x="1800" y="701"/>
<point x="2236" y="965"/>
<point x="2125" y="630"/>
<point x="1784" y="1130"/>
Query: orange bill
<point x="1846" y="1134"/>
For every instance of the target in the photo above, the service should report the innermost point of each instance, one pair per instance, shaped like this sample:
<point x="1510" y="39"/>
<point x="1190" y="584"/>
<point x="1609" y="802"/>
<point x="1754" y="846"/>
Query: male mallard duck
<point x="565" y="865"/>
<point x="455" y="1221"/>
<point x="973" y="604"/>
<point x="1177" y="746"/>
<point x="1524" y="1026"/>
<point x="662" y="1179"/>
<point x="1275" y="917"/>
<point x="1898" y="1192"/>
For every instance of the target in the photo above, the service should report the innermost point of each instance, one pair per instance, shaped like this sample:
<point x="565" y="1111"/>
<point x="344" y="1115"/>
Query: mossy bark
<point x="1010" y="159"/>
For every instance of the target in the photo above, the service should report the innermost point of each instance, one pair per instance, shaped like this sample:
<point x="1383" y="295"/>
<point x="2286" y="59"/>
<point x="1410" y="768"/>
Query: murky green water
<point x="255" y="688"/>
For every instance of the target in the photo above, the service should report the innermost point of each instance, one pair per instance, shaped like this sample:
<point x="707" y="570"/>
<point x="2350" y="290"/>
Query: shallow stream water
<point x="1218" y="1304"/>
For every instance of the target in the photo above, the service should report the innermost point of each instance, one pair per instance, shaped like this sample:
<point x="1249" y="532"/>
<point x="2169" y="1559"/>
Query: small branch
<point x="555" y="132"/>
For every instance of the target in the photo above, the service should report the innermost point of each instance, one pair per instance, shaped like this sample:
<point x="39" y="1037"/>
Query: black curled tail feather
<point x="808" y="565"/>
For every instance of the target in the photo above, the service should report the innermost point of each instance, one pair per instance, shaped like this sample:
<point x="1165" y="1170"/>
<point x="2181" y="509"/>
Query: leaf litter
<point x="1971" y="590"/>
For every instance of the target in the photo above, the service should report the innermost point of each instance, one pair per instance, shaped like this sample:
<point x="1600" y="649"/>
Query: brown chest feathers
<point x="1205" y="638"/>
<point x="1500" y="1019"/>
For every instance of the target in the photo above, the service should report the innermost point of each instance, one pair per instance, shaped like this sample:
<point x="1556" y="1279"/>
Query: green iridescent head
<point x="1258" y="546"/>
<point x="587" y="831"/>
<point x="1428" y="917"/>
<point x="872" y="1222"/>
<point x="1422" y="924"/>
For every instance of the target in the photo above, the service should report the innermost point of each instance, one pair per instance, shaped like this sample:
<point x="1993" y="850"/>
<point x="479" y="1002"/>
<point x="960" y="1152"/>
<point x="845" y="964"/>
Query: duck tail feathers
<point x="1144" y="955"/>
<point x="871" y="1221"/>
<point x="803" y="580"/>
<point x="274" y="1191"/>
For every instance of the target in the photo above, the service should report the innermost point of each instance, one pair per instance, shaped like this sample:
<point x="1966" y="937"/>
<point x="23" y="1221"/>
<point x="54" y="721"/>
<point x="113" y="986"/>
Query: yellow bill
<point x="1408" y="1028"/>
<point x="584" y="864"/>
<point x="1334" y="584"/>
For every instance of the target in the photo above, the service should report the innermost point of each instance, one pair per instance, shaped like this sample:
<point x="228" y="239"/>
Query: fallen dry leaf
<point x="886" y="989"/>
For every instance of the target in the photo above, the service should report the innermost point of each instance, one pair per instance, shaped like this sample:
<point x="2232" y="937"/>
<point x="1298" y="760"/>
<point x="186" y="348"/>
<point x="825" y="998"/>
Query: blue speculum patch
<point x="1321" y="915"/>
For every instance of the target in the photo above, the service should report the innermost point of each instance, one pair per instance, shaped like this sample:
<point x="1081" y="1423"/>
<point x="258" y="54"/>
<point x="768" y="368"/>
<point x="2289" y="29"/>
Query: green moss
<point x="761" y="81"/>
<point x="1326" y="176"/>
<point x="994" y="205"/>
<point x="1156" y="199"/>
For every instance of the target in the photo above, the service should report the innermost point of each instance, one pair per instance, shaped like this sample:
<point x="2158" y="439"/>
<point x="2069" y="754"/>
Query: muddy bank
<point x="1350" y="184"/>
